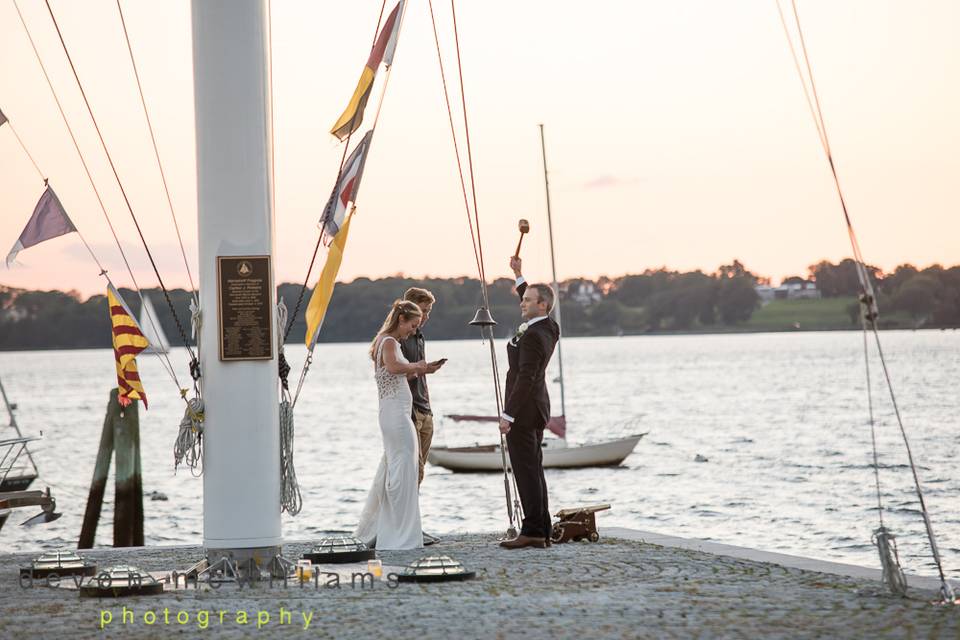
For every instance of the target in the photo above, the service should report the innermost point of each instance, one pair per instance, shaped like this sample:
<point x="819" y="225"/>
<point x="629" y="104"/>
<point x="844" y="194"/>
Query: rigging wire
<point x="26" y="151"/>
<point x="389" y="69"/>
<point x="383" y="92"/>
<point x="514" y="510"/>
<point x="473" y="184"/>
<point x="164" y="359"/>
<point x="46" y="183"/>
<point x="873" y="430"/>
<point x="123" y="191"/>
<point x="156" y="151"/>
<point x="291" y="500"/>
<point x="453" y="133"/>
<point x="343" y="158"/>
<point x="868" y="301"/>
<point x="803" y="79"/>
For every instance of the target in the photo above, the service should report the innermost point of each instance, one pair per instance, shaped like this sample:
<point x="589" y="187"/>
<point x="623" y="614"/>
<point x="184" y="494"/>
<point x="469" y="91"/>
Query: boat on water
<point x="152" y="330"/>
<point x="18" y="471"/>
<point x="557" y="452"/>
<point x="17" y="468"/>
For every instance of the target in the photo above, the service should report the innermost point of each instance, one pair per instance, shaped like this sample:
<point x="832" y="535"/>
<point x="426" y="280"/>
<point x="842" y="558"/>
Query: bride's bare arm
<point x="392" y="364"/>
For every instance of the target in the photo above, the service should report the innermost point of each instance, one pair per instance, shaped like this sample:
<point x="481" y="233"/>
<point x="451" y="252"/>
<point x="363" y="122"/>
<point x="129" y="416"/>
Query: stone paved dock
<point x="615" y="588"/>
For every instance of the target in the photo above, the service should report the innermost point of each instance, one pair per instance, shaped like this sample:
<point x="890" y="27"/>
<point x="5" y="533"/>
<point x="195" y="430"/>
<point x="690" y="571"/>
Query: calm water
<point x="781" y="419"/>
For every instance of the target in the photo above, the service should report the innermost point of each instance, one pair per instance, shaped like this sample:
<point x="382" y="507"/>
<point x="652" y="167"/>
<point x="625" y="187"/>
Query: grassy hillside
<point x="811" y="315"/>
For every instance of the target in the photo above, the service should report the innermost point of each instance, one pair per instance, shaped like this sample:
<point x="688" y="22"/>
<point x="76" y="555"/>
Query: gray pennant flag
<point x="49" y="220"/>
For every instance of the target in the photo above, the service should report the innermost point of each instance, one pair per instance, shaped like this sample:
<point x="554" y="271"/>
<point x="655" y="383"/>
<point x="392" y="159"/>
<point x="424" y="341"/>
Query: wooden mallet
<point x="524" y="229"/>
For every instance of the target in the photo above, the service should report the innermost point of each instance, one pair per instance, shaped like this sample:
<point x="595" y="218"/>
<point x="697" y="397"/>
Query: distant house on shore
<point x="788" y="291"/>
<point x="583" y="292"/>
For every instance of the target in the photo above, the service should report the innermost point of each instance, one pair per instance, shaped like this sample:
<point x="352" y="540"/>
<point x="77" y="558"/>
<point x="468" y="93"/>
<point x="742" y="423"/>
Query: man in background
<point x="414" y="350"/>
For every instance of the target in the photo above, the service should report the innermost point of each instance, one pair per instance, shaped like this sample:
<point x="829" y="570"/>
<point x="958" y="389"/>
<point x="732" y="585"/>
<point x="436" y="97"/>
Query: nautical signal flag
<point x="320" y="299"/>
<point x="49" y="220"/>
<point x="383" y="50"/>
<point x="345" y="190"/>
<point x="128" y="341"/>
<point x="3" y="118"/>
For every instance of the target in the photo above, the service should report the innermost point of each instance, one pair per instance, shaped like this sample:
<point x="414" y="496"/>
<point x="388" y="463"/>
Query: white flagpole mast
<point x="241" y="466"/>
<point x="553" y="266"/>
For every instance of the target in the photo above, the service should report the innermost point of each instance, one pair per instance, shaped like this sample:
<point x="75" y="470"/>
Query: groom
<point x="526" y="408"/>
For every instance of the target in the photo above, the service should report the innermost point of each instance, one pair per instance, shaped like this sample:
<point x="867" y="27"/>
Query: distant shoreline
<point x="653" y="303"/>
<point x="729" y="331"/>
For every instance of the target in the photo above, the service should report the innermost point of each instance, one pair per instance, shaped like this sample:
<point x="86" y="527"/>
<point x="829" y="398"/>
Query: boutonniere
<point x="522" y="329"/>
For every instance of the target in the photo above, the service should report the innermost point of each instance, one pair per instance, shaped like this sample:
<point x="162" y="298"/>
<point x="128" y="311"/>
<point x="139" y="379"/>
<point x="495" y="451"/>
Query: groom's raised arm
<point x="515" y="265"/>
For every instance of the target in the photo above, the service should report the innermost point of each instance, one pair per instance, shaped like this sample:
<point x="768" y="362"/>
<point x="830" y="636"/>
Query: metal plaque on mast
<point x="245" y="301"/>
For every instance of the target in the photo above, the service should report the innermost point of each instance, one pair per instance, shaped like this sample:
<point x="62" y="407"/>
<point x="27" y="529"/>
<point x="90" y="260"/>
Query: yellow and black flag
<point x="128" y="341"/>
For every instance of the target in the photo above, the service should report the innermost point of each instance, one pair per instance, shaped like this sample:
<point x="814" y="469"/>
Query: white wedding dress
<point x="391" y="515"/>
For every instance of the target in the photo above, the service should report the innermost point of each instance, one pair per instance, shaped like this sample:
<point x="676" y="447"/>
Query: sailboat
<point x="150" y="325"/>
<point x="17" y="473"/>
<point x="557" y="453"/>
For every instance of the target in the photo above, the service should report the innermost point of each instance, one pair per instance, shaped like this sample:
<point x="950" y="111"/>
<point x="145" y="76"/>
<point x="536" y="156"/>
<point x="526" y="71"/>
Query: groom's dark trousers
<point x="526" y="400"/>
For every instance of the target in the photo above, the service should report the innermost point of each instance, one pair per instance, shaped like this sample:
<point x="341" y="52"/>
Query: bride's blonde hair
<point x="401" y="310"/>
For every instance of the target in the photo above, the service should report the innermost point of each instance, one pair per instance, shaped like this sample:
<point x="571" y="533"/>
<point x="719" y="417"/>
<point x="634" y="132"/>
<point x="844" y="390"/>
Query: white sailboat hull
<point x="488" y="458"/>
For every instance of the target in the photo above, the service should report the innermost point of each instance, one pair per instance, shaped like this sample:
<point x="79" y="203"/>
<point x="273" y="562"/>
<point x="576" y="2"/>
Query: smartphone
<point x="440" y="361"/>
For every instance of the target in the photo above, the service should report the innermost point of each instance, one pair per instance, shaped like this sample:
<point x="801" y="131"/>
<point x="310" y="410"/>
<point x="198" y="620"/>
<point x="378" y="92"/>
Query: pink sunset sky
<point x="677" y="135"/>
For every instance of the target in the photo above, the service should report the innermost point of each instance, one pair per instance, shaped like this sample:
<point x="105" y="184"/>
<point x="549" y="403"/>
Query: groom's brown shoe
<point x="522" y="541"/>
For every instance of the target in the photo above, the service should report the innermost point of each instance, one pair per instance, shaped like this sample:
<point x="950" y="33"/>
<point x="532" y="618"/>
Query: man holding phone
<point x="414" y="350"/>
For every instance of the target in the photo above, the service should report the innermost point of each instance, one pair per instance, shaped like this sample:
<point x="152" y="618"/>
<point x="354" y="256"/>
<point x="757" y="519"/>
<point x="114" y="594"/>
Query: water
<point x="781" y="418"/>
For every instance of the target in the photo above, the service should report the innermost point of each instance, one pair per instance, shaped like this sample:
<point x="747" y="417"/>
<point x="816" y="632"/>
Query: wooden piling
<point x="121" y="433"/>
<point x="128" y="501"/>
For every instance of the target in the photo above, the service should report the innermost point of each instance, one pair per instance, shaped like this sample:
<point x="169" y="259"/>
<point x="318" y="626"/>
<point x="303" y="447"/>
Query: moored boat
<point x="556" y="455"/>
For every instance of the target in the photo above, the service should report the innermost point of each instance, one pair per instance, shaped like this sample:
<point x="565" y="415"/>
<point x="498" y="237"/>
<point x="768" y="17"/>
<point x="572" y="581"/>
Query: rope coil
<point x="188" y="448"/>
<point x="291" y="500"/>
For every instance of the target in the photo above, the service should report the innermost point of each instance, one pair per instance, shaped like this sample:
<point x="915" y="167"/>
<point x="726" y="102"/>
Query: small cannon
<point x="576" y="524"/>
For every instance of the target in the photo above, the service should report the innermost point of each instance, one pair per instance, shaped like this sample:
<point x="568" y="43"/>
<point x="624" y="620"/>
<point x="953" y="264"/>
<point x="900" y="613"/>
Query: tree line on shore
<point x="656" y="300"/>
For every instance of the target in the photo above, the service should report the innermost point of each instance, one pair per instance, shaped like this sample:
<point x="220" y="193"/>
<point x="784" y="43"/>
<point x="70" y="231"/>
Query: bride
<point x="391" y="516"/>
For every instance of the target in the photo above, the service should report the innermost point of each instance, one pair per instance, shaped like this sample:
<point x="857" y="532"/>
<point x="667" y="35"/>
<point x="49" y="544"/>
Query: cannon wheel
<point x="594" y="536"/>
<point x="556" y="534"/>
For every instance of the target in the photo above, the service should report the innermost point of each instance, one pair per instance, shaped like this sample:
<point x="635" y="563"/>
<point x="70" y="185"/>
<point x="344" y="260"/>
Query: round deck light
<point x="340" y="550"/>
<point x="435" y="569"/>
<point x="121" y="581"/>
<point x="61" y="563"/>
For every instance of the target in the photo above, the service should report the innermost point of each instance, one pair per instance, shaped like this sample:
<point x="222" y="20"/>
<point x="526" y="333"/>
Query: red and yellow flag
<point x="128" y="341"/>
<point x="383" y="50"/>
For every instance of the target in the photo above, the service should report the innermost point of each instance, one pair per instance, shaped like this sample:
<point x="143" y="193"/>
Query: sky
<point x="677" y="135"/>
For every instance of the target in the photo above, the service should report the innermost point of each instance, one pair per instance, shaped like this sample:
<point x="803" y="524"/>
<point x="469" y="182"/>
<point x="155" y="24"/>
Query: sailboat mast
<point x="553" y="267"/>
<point x="241" y="455"/>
